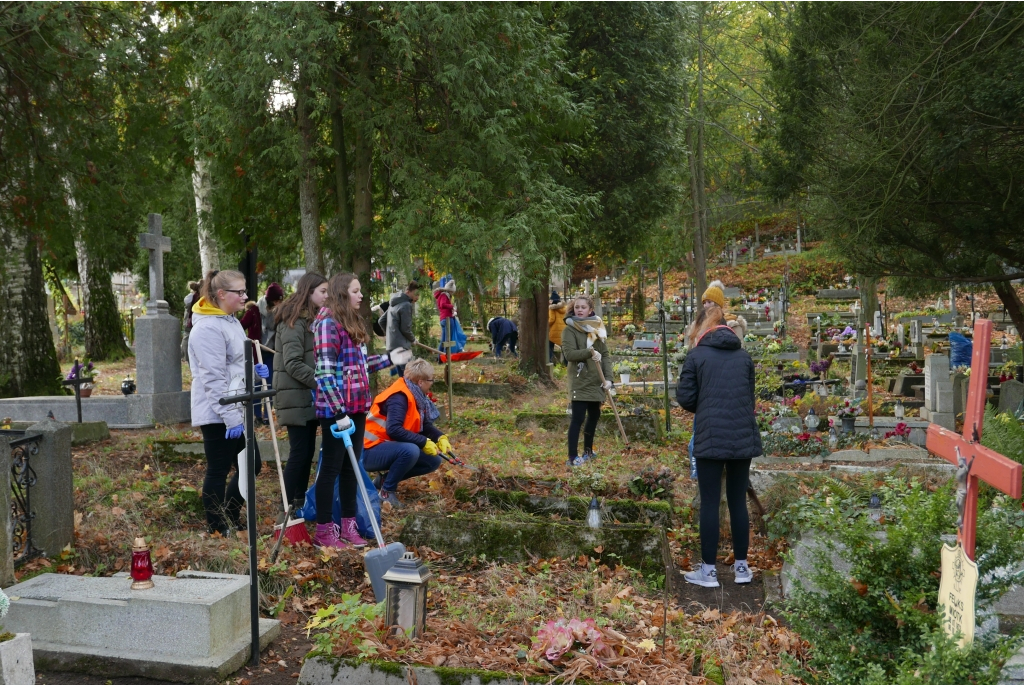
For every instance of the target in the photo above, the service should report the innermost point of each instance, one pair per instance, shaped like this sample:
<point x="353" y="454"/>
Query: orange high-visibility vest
<point x="377" y="423"/>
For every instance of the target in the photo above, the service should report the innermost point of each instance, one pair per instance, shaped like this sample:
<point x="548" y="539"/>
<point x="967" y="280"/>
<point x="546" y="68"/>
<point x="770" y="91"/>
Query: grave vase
<point x="16" y="662"/>
<point x="624" y="378"/>
<point x="849" y="423"/>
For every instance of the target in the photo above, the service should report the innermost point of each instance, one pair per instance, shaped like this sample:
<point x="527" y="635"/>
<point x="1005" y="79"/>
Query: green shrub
<point x="879" y="622"/>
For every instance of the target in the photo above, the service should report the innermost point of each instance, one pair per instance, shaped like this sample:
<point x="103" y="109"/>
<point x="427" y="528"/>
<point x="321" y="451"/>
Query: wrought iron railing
<point x="23" y="479"/>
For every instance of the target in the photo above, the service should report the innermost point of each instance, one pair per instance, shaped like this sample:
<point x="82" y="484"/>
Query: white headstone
<point x="938" y="391"/>
<point x="901" y="333"/>
<point x="876" y="326"/>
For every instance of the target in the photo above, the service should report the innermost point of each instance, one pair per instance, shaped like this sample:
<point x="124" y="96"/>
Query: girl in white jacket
<point x="216" y="351"/>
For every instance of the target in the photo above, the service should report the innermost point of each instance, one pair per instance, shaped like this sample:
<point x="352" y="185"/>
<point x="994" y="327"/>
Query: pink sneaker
<point x="327" y="536"/>
<point x="350" y="534"/>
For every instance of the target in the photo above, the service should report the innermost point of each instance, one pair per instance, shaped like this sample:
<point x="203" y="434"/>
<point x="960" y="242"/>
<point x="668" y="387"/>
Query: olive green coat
<point x="294" y="375"/>
<point x="585" y="385"/>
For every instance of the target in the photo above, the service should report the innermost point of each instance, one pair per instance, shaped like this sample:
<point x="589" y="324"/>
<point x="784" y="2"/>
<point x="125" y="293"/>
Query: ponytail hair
<point x="713" y="317"/>
<point x="218" y="280"/>
<point x="342" y="311"/>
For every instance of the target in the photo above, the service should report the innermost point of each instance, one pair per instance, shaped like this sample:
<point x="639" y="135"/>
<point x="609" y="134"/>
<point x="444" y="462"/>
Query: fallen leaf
<point x="599" y="549"/>
<point x="117" y="511"/>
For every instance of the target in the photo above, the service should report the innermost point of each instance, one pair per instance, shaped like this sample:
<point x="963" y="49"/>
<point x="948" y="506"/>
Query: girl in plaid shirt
<point x="342" y="395"/>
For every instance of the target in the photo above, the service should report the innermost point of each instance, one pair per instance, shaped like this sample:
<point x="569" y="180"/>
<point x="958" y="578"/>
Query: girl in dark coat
<point x="717" y="385"/>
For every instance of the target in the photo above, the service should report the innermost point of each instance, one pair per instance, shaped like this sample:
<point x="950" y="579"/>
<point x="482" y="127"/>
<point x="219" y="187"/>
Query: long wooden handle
<point x="611" y="399"/>
<point x="273" y="434"/>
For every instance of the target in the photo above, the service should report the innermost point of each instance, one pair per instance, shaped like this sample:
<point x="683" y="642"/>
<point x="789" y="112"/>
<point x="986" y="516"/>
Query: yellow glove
<point x="430" y="448"/>
<point x="444" y="445"/>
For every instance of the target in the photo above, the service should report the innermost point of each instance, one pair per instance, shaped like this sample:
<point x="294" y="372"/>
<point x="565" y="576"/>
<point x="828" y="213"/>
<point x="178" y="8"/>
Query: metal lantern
<point x="812" y="421"/>
<point x="833" y="438"/>
<point x="127" y="386"/>
<point x="406" y="600"/>
<point x="142" y="565"/>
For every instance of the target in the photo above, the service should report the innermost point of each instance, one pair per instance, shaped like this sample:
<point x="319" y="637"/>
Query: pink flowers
<point x="555" y="638"/>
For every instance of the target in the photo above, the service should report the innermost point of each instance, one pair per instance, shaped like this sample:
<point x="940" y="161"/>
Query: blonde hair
<point x="586" y="298"/>
<point x="714" y="316"/>
<point x="215" y="281"/>
<point x="418" y="369"/>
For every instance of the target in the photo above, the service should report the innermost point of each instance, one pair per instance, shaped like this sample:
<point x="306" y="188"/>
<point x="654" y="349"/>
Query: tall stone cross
<point x="157" y="244"/>
<point x="984" y="464"/>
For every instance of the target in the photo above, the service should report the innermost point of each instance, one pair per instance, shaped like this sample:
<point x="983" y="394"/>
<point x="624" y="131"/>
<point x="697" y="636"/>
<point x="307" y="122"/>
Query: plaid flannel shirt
<point x="342" y="370"/>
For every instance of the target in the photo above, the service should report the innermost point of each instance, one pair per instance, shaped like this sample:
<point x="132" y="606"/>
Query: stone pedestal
<point x="53" y="495"/>
<point x="191" y="628"/>
<point x="158" y="351"/>
<point x="16" y="666"/>
<point x="6" y="550"/>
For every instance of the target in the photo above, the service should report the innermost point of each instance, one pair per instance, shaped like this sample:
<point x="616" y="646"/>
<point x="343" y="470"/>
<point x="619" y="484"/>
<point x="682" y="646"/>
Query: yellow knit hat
<point x="715" y="293"/>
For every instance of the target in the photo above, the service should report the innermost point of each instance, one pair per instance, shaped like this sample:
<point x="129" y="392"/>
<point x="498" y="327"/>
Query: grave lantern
<point x="127" y="386"/>
<point x="142" y="565"/>
<point x="812" y="421"/>
<point x="594" y="513"/>
<point x="898" y="411"/>
<point x="406" y="599"/>
<point x="833" y="438"/>
<point x="822" y="389"/>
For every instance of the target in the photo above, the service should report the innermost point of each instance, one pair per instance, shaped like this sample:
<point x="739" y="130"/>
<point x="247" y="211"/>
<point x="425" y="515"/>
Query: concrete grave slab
<point x="191" y="628"/>
<point x="338" y="671"/>
<point x="1011" y="393"/>
<point x="133" y="411"/>
<point x="16" y="666"/>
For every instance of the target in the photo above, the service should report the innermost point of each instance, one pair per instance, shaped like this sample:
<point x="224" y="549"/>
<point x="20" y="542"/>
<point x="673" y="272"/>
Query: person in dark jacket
<point x="585" y="349"/>
<point x="295" y="379"/>
<point x="503" y="332"/>
<point x="397" y="321"/>
<point x="401" y="437"/>
<point x="717" y="385"/>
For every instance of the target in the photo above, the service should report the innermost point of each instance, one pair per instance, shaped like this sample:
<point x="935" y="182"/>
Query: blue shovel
<point x="377" y="561"/>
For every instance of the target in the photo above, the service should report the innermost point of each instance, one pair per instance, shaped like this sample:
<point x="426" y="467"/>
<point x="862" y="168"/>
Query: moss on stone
<point x="576" y="508"/>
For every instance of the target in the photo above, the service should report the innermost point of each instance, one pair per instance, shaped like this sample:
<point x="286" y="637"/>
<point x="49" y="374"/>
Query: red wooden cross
<point x="989" y="466"/>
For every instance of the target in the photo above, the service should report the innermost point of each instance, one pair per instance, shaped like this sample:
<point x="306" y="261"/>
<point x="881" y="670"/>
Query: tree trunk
<point x="533" y="329"/>
<point x="360" y="244"/>
<point x="1008" y="296"/>
<point x="202" y="188"/>
<point x="28" y="359"/>
<point x="309" y="203"/>
<point x="104" y="337"/>
<point x="343" y="219"/>
<point x="868" y="298"/>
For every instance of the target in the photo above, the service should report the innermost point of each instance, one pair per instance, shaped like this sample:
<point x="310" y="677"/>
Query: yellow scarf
<point x="205" y="308"/>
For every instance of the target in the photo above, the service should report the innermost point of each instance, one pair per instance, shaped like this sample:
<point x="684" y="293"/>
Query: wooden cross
<point x="157" y="244"/>
<point x="985" y="464"/>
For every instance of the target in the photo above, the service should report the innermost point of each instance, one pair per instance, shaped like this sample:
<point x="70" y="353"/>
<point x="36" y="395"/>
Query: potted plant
<point x="623" y="369"/>
<point x="83" y="369"/>
<point x="848" y="413"/>
<point x="630" y="330"/>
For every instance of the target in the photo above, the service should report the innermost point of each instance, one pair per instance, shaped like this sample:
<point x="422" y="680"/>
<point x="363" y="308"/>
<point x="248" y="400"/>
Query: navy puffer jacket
<point x="717" y="385"/>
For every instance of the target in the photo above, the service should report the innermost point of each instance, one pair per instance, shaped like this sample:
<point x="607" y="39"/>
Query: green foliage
<point x="1004" y="433"/>
<point x="654" y="483"/>
<point x="792" y="445"/>
<point x="343" y="623"/>
<point x="878" y="621"/>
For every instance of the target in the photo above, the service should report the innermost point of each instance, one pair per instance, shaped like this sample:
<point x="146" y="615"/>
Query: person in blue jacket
<point x="717" y="385"/>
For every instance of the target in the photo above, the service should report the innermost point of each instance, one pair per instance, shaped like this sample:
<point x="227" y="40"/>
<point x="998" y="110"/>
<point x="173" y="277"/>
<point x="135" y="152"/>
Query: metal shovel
<point x="377" y="561"/>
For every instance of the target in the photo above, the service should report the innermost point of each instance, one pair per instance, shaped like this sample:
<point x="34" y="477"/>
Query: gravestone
<point x="1011" y="393"/>
<point x="160" y="398"/>
<point x="194" y="627"/>
<point x="938" y="392"/>
<point x="905" y="383"/>
<point x="53" y="495"/>
<point x="901" y="333"/>
<point x="960" y="386"/>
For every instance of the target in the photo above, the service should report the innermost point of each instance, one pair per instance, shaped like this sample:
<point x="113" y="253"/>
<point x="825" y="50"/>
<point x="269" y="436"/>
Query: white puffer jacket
<point x="216" y="352"/>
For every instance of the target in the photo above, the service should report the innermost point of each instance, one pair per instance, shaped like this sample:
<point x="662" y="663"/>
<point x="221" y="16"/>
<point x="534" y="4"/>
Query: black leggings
<point x="592" y="410"/>
<point x="221" y="457"/>
<point x="337" y="463"/>
<point x="709" y="481"/>
<point x="301" y="450"/>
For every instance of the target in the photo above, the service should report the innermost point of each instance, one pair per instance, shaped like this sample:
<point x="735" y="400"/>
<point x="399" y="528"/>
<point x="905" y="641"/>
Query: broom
<point x="294" y="529"/>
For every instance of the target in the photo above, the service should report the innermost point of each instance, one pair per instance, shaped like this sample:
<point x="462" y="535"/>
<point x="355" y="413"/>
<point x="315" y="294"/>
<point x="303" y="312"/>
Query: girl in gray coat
<point x="584" y="348"/>
<point x="216" y="352"/>
<point x="295" y="380"/>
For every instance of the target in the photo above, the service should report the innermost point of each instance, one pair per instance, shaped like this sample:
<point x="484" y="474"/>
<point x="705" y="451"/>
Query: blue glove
<point x="235" y="431"/>
<point x="262" y="370"/>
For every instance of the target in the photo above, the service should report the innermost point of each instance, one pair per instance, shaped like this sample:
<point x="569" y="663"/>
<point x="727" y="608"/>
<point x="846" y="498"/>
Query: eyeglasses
<point x="428" y="380"/>
<point x="240" y="293"/>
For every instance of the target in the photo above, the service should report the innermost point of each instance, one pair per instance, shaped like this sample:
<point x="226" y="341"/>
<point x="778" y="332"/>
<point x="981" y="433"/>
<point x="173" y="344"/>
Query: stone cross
<point x="984" y="464"/>
<point x="876" y="328"/>
<point x="157" y="244"/>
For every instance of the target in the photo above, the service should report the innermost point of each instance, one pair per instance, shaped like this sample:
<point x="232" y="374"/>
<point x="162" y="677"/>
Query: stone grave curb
<point x="491" y="391"/>
<point x="647" y="428"/>
<point x="99" y="662"/>
<point x="638" y="546"/>
<point x="575" y="508"/>
<point x="89" y="431"/>
<point x="189" y="450"/>
<point x="342" y="671"/>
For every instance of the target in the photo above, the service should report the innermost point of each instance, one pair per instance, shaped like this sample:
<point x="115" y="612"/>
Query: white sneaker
<point x="742" y="572"/>
<point x="702" y="577"/>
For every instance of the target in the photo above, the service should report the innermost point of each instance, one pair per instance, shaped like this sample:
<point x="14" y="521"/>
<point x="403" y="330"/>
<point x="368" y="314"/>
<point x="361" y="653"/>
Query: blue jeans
<point x="402" y="460"/>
